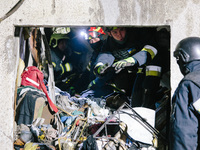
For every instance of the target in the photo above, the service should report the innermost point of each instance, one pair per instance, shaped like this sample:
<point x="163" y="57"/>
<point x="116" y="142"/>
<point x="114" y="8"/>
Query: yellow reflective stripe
<point x="97" y="65"/>
<point x="153" y="71"/>
<point x="62" y="68"/>
<point x="151" y="50"/>
<point x="89" y="66"/>
<point x="77" y="52"/>
<point x="97" y="29"/>
<point x="67" y="81"/>
<point x="67" y="66"/>
<point x="197" y="105"/>
<point x="93" y="82"/>
<point x="140" y="70"/>
<point x="54" y="64"/>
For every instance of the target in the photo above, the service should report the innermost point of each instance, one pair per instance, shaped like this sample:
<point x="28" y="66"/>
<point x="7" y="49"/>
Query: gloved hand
<point x="101" y="69"/>
<point x="31" y="146"/>
<point x="119" y="65"/>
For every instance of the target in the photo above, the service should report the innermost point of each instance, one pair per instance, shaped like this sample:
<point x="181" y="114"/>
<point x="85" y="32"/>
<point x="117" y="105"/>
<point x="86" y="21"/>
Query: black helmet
<point x="188" y="49"/>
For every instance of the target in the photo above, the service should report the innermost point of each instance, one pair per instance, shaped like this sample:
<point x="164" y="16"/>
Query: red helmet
<point x="95" y="32"/>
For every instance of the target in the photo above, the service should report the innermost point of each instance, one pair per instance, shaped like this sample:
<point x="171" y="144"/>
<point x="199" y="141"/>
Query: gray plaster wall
<point x="182" y="16"/>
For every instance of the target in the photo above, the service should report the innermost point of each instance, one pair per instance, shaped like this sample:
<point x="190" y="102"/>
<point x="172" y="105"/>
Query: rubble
<point x="82" y="124"/>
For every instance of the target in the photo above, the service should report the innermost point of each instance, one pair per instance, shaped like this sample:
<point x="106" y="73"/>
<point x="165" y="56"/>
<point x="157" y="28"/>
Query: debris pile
<point x="79" y="122"/>
<point x="82" y="123"/>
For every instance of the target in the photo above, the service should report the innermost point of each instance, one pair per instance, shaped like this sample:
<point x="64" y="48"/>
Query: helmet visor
<point x="181" y="55"/>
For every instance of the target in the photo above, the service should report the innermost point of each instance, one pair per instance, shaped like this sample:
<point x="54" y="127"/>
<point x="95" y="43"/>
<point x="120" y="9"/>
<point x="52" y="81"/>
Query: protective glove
<point x="119" y="65"/>
<point x="31" y="146"/>
<point x="101" y="69"/>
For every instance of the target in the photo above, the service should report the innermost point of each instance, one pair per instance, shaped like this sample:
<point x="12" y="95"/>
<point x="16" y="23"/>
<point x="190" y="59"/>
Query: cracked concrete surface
<point x="181" y="15"/>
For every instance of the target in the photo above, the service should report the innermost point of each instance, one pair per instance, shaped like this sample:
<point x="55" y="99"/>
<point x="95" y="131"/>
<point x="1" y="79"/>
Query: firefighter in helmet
<point x="69" y="57"/>
<point x="96" y="37"/>
<point x="92" y="37"/>
<point x="185" y="113"/>
<point x="115" y="67"/>
<point x="61" y="55"/>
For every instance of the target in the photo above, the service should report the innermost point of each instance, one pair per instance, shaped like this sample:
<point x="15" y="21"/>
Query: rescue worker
<point x="66" y="60"/>
<point x="92" y="37"/>
<point x="122" y="52"/>
<point x="58" y="43"/>
<point x="148" y="87"/>
<point x="184" y="120"/>
<point x="96" y="36"/>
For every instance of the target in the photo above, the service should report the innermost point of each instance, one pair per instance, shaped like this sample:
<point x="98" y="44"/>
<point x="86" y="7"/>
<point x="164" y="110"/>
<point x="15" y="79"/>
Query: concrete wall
<point x="182" y="16"/>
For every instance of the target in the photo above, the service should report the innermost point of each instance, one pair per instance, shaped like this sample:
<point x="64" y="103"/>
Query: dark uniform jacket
<point x="137" y="45"/>
<point x="62" y="64"/>
<point x="135" y="42"/>
<point x="153" y="78"/>
<point x="184" y="122"/>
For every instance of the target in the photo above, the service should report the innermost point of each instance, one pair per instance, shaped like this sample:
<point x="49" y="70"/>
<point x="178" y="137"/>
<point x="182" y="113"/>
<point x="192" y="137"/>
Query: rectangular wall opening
<point x="89" y="71"/>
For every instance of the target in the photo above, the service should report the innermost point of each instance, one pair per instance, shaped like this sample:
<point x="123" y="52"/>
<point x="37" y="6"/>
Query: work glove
<point x="101" y="69"/>
<point x="31" y="146"/>
<point x="119" y="65"/>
